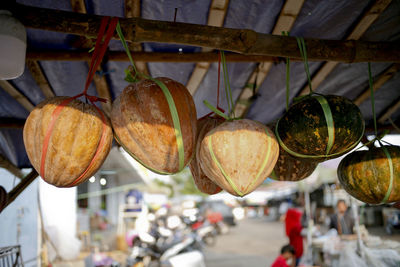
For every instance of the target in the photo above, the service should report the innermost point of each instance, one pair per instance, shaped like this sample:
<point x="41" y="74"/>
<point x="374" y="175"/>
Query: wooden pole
<point x="64" y="55"/>
<point x="17" y="190"/>
<point x="235" y="40"/>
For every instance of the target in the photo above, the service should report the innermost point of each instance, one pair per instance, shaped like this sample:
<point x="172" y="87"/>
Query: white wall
<point x="22" y="214"/>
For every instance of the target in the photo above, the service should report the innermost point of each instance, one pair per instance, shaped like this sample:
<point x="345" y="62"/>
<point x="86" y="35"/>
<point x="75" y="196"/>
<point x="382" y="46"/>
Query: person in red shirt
<point x="293" y="231"/>
<point x="287" y="257"/>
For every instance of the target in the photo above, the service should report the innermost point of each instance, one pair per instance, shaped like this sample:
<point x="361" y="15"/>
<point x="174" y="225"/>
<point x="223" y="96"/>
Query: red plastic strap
<point x="46" y="140"/>
<point x="100" y="49"/>
<point x="98" y="54"/>
<point x="98" y="150"/>
<point x="219" y="78"/>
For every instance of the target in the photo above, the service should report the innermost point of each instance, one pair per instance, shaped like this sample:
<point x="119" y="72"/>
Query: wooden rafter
<point x="12" y="91"/>
<point x="391" y="110"/>
<point x="366" y="21"/>
<point x="100" y="81"/>
<point x="378" y="83"/>
<point x="41" y="80"/>
<point x="64" y="55"/>
<point x="285" y="22"/>
<point x="216" y="17"/>
<point x="132" y="10"/>
<point x="235" y="40"/>
<point x="9" y="166"/>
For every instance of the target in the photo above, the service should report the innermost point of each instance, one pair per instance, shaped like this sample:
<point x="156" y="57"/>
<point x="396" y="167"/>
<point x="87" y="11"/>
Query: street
<point x="253" y="242"/>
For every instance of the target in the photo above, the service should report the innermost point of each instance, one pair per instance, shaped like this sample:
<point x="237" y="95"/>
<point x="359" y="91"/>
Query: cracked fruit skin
<point x="203" y="183"/>
<point x="246" y="150"/>
<point x="366" y="174"/>
<point x="143" y="125"/>
<point x="303" y="129"/>
<point x="73" y="142"/>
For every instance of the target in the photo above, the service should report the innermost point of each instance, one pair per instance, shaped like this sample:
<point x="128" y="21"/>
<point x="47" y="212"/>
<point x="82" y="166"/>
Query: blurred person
<point x="293" y="232"/>
<point x="287" y="258"/>
<point x="342" y="220"/>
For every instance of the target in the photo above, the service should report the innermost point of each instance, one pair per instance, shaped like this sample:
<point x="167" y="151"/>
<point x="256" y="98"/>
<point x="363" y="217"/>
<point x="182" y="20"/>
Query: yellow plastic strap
<point x="329" y="121"/>
<point x="232" y="184"/>
<point x="390" y="188"/>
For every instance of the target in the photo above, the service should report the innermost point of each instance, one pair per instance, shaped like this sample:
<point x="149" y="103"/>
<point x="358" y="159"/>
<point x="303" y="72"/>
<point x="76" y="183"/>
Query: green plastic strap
<point x="284" y="33"/>
<point x="232" y="184"/>
<point x="329" y="121"/>
<point x="215" y="110"/>
<point x="390" y="188"/>
<point x="170" y="100"/>
<point x="228" y="90"/>
<point x="264" y="162"/>
<point x="371" y="87"/>
<point x="137" y="159"/>
<point x="214" y="158"/>
<point x="303" y="53"/>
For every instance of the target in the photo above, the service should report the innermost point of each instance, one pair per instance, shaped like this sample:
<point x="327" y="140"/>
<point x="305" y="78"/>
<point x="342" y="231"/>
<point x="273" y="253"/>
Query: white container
<point x="12" y="46"/>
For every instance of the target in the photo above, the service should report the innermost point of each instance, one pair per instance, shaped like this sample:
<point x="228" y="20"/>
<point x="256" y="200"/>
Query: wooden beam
<point x="285" y="22"/>
<point x="66" y="55"/>
<point x="11" y="123"/>
<point x="216" y="17"/>
<point x="19" y="188"/>
<point x="391" y="110"/>
<point x="379" y="82"/>
<point x="361" y="27"/>
<point x="235" y="40"/>
<point x="41" y="80"/>
<point x="9" y="166"/>
<point x="12" y="91"/>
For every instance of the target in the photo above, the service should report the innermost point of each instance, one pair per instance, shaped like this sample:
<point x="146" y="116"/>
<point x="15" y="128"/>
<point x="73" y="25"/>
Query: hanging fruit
<point x="155" y="122"/>
<point x="203" y="183"/>
<point x="292" y="169"/>
<point x="238" y="155"/>
<point x="67" y="140"/>
<point x="320" y="127"/>
<point x="372" y="176"/>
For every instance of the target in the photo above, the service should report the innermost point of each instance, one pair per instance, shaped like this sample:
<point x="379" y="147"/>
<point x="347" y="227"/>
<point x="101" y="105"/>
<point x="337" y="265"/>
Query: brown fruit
<point x="72" y="144"/>
<point x="143" y="124"/>
<point x="238" y="155"/>
<point x="203" y="183"/>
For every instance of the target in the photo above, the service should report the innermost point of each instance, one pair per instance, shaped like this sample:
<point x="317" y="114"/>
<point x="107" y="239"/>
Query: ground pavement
<point x="252" y="243"/>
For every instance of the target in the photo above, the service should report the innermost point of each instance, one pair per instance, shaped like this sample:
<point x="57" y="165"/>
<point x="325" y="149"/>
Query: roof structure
<point x="57" y="61"/>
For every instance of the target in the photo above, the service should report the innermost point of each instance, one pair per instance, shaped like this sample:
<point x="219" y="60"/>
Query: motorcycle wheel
<point x="209" y="239"/>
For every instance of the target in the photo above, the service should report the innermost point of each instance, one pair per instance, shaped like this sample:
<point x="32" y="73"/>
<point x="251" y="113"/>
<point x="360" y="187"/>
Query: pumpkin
<point x="238" y="155"/>
<point x="203" y="183"/>
<point x="3" y="198"/>
<point x="372" y="176"/>
<point x="303" y="131"/>
<point x="144" y="127"/>
<point x="292" y="169"/>
<point x="66" y="140"/>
